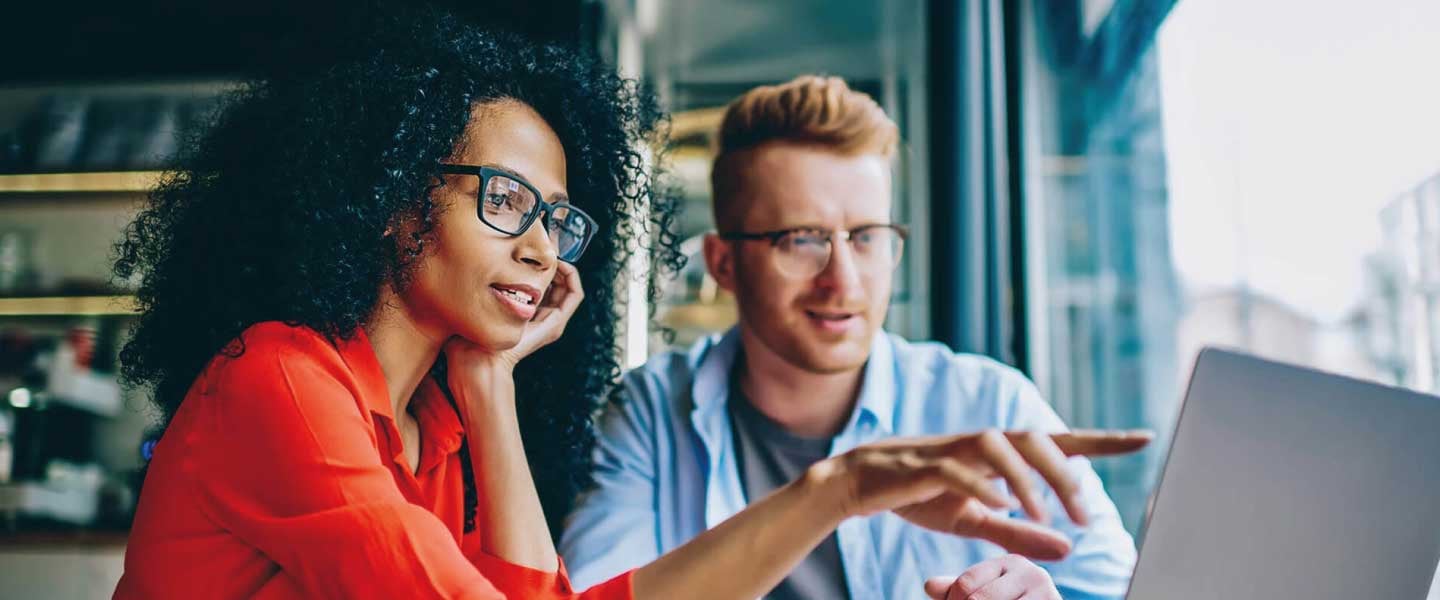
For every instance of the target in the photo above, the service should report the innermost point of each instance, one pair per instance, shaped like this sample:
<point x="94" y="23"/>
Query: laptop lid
<point x="1284" y="482"/>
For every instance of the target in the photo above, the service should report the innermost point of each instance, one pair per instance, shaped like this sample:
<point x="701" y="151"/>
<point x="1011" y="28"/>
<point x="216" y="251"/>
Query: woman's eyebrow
<point x="508" y="171"/>
<point x="555" y="198"/>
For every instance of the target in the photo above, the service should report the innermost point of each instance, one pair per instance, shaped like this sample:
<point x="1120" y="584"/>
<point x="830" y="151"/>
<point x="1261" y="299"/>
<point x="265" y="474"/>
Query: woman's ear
<point x="402" y="232"/>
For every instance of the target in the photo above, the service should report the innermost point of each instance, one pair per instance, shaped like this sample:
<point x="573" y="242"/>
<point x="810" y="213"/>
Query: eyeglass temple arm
<point x="451" y="169"/>
<point x="772" y="236"/>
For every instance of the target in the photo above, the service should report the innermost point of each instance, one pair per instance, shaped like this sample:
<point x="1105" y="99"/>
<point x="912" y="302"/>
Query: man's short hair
<point x="808" y="110"/>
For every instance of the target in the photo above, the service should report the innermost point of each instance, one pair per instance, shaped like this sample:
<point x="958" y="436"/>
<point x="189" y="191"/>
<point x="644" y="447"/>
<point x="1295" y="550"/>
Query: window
<point x="1263" y="176"/>
<point x="698" y="55"/>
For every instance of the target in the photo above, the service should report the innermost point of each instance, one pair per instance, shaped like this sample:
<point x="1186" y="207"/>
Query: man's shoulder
<point x="945" y="391"/>
<point x="666" y="377"/>
<point x="670" y="365"/>
<point x="934" y="361"/>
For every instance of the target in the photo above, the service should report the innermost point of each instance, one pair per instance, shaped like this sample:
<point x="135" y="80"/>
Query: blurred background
<point x="1096" y="189"/>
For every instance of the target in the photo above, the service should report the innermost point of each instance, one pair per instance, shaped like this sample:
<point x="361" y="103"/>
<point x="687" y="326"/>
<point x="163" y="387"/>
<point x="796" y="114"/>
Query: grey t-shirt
<point x="769" y="457"/>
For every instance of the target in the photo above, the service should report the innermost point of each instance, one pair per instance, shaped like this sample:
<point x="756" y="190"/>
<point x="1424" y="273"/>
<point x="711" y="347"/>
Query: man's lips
<point x="830" y="314"/>
<point x="833" y="321"/>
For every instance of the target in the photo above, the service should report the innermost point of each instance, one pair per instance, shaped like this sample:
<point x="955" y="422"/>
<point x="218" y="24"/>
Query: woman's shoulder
<point x="282" y="374"/>
<point x="271" y="353"/>
<point x="277" y="336"/>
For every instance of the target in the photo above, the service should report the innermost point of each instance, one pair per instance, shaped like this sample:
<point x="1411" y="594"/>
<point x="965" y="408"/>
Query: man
<point x="802" y="202"/>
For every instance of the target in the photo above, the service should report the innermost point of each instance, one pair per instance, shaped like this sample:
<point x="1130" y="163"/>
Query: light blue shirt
<point x="665" y="470"/>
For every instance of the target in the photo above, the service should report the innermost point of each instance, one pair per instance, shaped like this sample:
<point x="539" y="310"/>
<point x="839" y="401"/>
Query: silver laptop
<point x="1284" y="482"/>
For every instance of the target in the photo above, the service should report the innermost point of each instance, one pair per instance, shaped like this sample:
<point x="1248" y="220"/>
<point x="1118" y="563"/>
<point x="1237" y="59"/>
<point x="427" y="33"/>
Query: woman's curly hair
<point x="278" y="212"/>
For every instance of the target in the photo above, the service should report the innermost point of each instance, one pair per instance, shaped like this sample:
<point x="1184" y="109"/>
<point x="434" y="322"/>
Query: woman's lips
<point x="521" y="300"/>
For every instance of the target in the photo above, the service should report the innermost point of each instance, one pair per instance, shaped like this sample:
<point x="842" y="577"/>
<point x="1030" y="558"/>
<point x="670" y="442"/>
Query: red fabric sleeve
<point x="297" y="475"/>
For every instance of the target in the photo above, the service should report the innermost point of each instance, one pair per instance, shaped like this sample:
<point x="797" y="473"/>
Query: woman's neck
<point x="405" y="350"/>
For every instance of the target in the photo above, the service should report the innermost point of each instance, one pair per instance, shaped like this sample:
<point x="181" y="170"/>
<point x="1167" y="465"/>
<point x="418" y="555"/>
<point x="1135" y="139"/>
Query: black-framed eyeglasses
<point x="805" y="251"/>
<point x="509" y="204"/>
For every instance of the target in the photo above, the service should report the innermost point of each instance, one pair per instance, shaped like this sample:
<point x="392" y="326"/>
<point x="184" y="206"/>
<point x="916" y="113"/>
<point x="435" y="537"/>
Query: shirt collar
<point x="715" y="358"/>
<point x="878" y="391"/>
<point x="441" y="430"/>
<point x="359" y="355"/>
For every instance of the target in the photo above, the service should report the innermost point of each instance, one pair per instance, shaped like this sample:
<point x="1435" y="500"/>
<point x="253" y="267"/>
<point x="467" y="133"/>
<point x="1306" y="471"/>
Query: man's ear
<point x="720" y="261"/>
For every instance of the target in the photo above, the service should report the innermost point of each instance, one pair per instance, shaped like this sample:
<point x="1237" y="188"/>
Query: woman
<point x="354" y="291"/>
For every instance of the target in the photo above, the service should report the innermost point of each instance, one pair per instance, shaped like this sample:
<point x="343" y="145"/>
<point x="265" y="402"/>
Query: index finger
<point x="1101" y="442"/>
<point x="977" y="576"/>
<point x="938" y="588"/>
<point x="568" y="280"/>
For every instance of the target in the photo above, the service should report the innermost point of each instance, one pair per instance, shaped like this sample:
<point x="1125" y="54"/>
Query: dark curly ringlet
<point x="278" y="211"/>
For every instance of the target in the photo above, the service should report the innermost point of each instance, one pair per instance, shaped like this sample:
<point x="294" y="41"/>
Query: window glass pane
<point x="1261" y="176"/>
<point x="698" y="55"/>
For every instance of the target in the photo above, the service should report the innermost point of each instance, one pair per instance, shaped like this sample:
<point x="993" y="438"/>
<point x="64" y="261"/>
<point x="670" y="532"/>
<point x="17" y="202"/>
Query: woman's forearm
<point x="748" y="554"/>
<point x="509" y="517"/>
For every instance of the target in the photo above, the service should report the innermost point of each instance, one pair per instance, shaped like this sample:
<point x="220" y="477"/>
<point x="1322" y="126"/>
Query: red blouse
<point x="282" y="476"/>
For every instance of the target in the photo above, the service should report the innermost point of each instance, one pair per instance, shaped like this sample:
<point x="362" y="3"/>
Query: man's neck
<point x="805" y="403"/>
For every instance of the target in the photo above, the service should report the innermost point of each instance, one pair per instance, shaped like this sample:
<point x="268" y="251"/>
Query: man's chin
<point x="835" y="360"/>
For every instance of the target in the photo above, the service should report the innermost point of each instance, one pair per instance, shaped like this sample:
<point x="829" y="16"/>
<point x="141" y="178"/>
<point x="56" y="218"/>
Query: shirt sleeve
<point x="523" y="582"/>
<point x="1103" y="554"/>
<point x="614" y="525"/>
<point x="293" y="470"/>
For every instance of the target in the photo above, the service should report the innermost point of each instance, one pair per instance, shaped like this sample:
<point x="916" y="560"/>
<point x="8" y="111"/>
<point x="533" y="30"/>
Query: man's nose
<point x="842" y="271"/>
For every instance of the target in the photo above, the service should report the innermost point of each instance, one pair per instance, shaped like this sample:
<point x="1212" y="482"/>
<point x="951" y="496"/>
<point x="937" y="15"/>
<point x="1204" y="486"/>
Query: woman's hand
<point x="554" y="313"/>
<point x="941" y="483"/>
<point x="482" y="383"/>
<point x="944" y="483"/>
<point x="479" y="375"/>
<point x="556" y="307"/>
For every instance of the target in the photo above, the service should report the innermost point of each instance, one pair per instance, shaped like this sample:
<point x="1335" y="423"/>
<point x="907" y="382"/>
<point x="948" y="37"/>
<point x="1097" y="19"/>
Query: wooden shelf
<point x="65" y="539"/>
<point x="699" y="121"/>
<point x="713" y="316"/>
<point x="68" y="305"/>
<point x="67" y="183"/>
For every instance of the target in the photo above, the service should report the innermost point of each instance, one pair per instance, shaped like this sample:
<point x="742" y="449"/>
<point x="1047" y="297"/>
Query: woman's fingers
<point x="1101" y="442"/>
<point x="1046" y="458"/>
<point x="906" y="474"/>
<point x="565" y="292"/>
<point x="1019" y="536"/>
<point x="966" y="482"/>
<point x="996" y="449"/>
<point x="1012" y="455"/>
<point x="558" y="304"/>
<point x="574" y="292"/>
